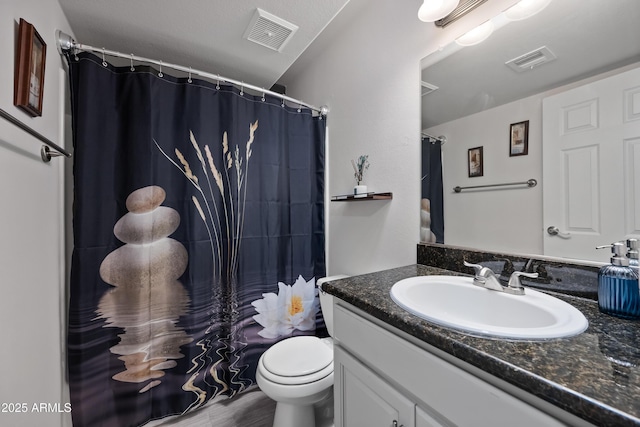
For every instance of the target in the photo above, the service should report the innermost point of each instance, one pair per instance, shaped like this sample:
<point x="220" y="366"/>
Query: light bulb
<point x="432" y="10"/>
<point x="525" y="9"/>
<point x="477" y="35"/>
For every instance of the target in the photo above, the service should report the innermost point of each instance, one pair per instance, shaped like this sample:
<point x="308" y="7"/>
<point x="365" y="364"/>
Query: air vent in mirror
<point x="532" y="59"/>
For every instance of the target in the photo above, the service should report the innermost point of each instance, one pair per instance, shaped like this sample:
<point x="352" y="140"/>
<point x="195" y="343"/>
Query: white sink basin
<point x="455" y="302"/>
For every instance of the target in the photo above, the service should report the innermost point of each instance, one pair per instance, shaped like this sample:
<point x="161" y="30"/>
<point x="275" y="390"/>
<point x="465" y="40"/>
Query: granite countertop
<point x="595" y="375"/>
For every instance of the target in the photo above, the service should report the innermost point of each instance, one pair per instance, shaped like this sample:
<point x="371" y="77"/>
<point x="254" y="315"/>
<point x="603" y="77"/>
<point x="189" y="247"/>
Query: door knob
<point x="555" y="231"/>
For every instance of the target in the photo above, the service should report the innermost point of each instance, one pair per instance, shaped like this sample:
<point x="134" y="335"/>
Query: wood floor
<point x="250" y="409"/>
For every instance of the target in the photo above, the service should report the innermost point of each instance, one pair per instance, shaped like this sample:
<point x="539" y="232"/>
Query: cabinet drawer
<point x="434" y="383"/>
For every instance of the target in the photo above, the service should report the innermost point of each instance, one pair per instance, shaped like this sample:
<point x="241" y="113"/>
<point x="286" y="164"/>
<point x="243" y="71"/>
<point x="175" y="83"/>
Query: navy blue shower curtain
<point x="198" y="236"/>
<point x="432" y="202"/>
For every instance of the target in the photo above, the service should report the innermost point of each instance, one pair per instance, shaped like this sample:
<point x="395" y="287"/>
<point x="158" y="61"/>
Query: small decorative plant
<point x="359" y="167"/>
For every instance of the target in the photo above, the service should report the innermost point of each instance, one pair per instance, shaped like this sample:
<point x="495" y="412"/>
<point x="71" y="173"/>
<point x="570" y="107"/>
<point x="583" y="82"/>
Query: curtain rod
<point x="66" y="43"/>
<point x="441" y="139"/>
<point x="45" y="153"/>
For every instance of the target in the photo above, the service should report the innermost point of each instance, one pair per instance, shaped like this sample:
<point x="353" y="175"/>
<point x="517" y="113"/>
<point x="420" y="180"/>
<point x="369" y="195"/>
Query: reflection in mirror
<point x="431" y="204"/>
<point x="475" y="97"/>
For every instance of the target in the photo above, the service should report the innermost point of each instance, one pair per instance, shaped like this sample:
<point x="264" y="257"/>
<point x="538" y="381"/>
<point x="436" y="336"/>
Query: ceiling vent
<point x="532" y="59"/>
<point x="464" y="7"/>
<point x="270" y="31"/>
<point x="427" y="88"/>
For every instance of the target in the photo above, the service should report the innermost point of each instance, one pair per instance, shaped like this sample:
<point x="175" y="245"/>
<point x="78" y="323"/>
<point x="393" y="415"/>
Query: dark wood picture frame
<point x="519" y="139"/>
<point x="475" y="162"/>
<point x="28" y="85"/>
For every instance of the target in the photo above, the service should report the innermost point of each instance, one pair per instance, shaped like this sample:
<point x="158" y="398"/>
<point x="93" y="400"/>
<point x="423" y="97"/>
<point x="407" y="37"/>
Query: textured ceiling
<point x="203" y="34"/>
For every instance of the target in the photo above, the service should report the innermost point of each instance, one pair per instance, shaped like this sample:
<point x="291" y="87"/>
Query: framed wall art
<point x="519" y="139"/>
<point x="475" y="162"/>
<point x="28" y="87"/>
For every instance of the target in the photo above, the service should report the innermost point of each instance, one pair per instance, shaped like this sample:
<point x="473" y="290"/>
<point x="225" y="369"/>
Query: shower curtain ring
<point x="241" y="88"/>
<point x="300" y="108"/>
<point x="160" y="73"/>
<point x="218" y="83"/>
<point x="104" y="62"/>
<point x="263" y="95"/>
<point x="189" y="79"/>
<point x="132" y="67"/>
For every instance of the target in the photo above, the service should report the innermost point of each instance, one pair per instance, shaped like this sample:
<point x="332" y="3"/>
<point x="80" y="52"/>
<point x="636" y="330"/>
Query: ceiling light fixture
<point x="477" y="35"/>
<point x="432" y="10"/>
<point x="525" y="9"/>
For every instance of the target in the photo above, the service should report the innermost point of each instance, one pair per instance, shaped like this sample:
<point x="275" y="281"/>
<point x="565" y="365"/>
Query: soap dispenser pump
<point x="632" y="253"/>
<point x="618" y="288"/>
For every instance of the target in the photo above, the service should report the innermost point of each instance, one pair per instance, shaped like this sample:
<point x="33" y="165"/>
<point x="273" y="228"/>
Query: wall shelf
<point x="360" y="197"/>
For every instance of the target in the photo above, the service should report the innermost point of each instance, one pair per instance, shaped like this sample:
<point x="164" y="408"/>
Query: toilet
<point x="297" y="372"/>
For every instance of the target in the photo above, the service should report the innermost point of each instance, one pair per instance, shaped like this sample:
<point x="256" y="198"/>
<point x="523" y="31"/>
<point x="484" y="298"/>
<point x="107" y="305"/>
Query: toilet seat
<point x="297" y="360"/>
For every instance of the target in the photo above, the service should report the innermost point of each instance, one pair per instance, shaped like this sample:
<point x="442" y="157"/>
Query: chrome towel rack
<point x="46" y="152"/>
<point x="529" y="183"/>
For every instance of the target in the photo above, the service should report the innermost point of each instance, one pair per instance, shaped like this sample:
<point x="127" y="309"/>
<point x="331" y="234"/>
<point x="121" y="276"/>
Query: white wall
<point x="366" y="68"/>
<point x="507" y="219"/>
<point x="32" y="257"/>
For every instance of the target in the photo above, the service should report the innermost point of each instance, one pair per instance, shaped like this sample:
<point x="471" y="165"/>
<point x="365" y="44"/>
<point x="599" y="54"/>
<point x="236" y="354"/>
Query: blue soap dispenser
<point x="618" y="289"/>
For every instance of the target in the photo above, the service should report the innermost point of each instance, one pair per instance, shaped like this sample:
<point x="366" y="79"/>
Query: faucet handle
<point x="514" y="280"/>
<point x="482" y="273"/>
<point x="479" y="269"/>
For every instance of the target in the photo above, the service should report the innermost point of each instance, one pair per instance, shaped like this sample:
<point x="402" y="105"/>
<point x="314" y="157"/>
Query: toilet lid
<point x="298" y="356"/>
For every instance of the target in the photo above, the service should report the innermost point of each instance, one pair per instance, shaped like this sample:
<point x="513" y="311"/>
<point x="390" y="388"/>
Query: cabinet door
<point x="362" y="399"/>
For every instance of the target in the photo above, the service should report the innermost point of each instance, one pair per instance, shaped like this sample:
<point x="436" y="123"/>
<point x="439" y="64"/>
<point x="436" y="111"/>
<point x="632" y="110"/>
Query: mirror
<point x="590" y="39"/>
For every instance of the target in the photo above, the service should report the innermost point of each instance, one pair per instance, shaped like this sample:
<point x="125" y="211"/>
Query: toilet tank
<point x="326" y="301"/>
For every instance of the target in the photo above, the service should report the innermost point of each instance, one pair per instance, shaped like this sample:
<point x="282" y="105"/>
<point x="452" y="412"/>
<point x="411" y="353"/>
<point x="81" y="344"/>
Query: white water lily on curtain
<point x="293" y="308"/>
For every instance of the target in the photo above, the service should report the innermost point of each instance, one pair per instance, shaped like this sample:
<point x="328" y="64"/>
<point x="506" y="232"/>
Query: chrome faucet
<point x="486" y="278"/>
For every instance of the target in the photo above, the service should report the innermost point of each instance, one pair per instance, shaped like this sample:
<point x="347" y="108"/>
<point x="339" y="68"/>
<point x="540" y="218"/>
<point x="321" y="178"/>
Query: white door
<point x="591" y="167"/>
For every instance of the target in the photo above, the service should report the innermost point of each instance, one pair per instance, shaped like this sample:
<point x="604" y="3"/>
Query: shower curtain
<point x="198" y="237"/>
<point x="431" y="203"/>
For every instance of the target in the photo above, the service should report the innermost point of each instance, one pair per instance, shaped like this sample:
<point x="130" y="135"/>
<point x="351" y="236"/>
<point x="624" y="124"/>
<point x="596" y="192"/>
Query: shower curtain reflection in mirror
<point x="431" y="201"/>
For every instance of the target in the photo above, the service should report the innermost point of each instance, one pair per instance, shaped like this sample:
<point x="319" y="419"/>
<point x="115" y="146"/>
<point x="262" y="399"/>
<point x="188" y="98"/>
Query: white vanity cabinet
<point x="383" y="379"/>
<point x="367" y="400"/>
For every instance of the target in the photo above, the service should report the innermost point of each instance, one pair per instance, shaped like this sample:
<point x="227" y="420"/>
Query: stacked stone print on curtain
<point x="198" y="237"/>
